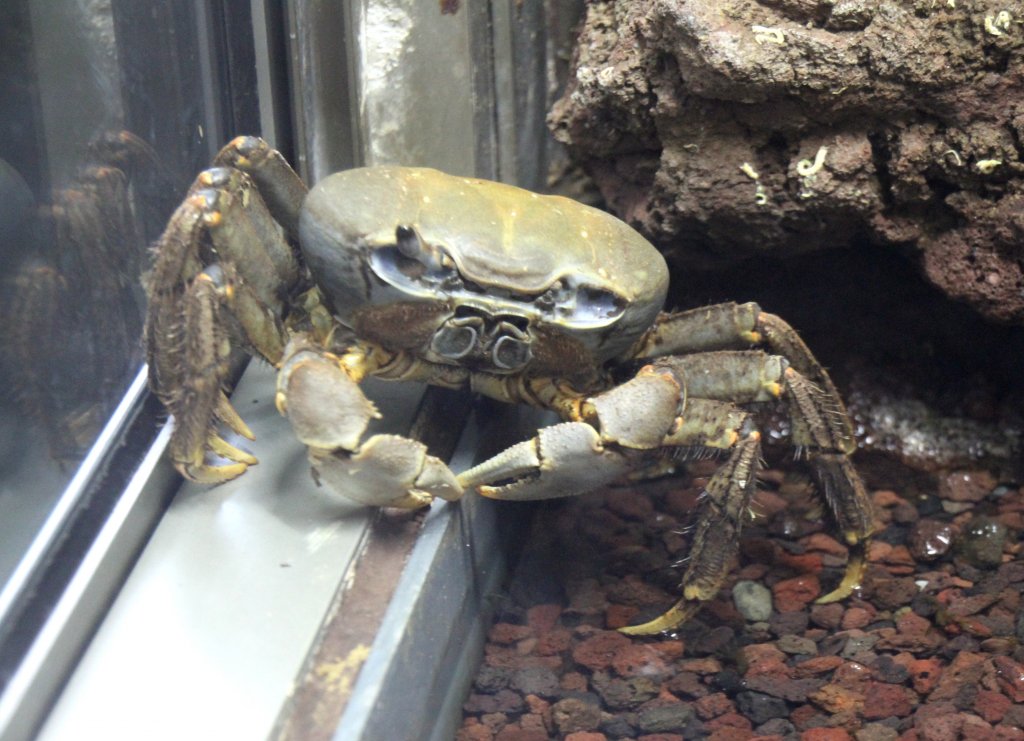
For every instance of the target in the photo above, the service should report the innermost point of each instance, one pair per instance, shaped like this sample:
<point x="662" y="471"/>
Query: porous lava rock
<point x="726" y="130"/>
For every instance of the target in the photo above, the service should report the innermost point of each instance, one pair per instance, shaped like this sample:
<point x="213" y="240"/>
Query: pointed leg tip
<point x="415" y="499"/>
<point x="224" y="449"/>
<point x="675" y="616"/>
<point x="227" y="414"/>
<point x="206" y="474"/>
<point x="856" y="566"/>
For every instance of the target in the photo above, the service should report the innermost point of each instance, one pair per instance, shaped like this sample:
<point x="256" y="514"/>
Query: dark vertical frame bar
<point x="320" y="70"/>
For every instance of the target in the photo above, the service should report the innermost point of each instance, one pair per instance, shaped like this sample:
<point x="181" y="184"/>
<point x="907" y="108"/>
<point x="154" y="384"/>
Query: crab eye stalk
<point x="408" y="242"/>
<point x="412" y="247"/>
<point x="414" y="266"/>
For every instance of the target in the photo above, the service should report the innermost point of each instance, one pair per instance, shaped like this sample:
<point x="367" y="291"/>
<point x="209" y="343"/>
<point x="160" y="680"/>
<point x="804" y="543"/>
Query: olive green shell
<point x="503" y="239"/>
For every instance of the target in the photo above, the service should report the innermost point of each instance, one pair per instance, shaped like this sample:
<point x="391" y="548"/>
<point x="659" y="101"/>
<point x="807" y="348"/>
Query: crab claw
<point x="330" y="414"/>
<point x="325" y="406"/>
<point x="386" y="471"/>
<point x="562" y="460"/>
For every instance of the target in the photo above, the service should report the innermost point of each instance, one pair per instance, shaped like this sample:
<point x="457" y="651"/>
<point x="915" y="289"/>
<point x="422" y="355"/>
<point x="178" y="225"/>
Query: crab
<point x="411" y="274"/>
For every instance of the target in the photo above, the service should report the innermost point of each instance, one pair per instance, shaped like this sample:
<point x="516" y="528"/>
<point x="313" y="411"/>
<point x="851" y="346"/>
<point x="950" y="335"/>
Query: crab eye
<point x="412" y="247"/>
<point x="597" y="304"/>
<point x="580" y="305"/>
<point x="412" y="264"/>
<point x="408" y="242"/>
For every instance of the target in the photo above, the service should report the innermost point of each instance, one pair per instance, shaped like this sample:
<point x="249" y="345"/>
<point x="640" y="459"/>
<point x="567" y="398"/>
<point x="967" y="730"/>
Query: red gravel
<point x="929" y="649"/>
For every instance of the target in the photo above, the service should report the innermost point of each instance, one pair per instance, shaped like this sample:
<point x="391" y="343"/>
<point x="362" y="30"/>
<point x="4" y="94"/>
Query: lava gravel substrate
<point x="930" y="649"/>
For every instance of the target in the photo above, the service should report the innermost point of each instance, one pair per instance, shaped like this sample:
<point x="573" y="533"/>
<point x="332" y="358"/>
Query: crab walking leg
<point x="238" y="219"/>
<point x="716" y="327"/>
<point x="280" y="186"/>
<point x="197" y="312"/>
<point x="175" y="263"/>
<point x="194" y="395"/>
<point x="723" y="506"/>
<point x="648" y="414"/>
<point x="815" y="428"/>
<point x="250" y="247"/>
<point x="319" y="393"/>
<point x="819" y="426"/>
<point x="731" y="325"/>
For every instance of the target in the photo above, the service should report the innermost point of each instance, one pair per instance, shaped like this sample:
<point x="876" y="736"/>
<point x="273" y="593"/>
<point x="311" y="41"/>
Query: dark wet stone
<point x="619" y="726"/>
<point x="959" y="643"/>
<point x="887" y="670"/>
<point x="858" y="644"/>
<point x="793" y="644"/>
<point x="966" y="486"/>
<point x="728" y="680"/>
<point x="928" y="506"/>
<point x="712" y="641"/>
<point x="664" y="718"/>
<point x="879" y="625"/>
<point x="827" y="616"/>
<point x="924" y="604"/>
<point x="590" y="697"/>
<point x="789" y="623"/>
<point x="894" y="534"/>
<point x="966" y="697"/>
<point x="760" y="708"/>
<point x="686" y="683"/>
<point x="981" y="543"/>
<point x="503" y="701"/>
<point x="930" y="540"/>
<point x="832" y="645"/>
<point x="490" y="679"/>
<point x="775" y="727"/>
<point x="1013" y="571"/>
<point x="971" y="605"/>
<point x="890" y="594"/>
<point x="539" y="681"/>
<point x="992" y="583"/>
<point x="1014" y="717"/>
<point x="967" y="570"/>
<point x="876" y="732"/>
<point x="571" y="715"/>
<point x="694" y="728"/>
<point x="622" y="694"/>
<point x="793" y="690"/>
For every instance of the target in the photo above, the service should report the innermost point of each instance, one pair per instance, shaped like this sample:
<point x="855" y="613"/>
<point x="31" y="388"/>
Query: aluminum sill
<point x="218" y="622"/>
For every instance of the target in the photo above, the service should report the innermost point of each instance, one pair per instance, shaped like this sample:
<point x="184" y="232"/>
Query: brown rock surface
<point x="899" y="123"/>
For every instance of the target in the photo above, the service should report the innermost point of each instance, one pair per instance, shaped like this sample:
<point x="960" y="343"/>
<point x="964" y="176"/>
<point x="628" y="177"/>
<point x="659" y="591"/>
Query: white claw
<point x="563" y="460"/>
<point x="327" y="409"/>
<point x="641" y="412"/>
<point x="388" y="471"/>
<point x="330" y="414"/>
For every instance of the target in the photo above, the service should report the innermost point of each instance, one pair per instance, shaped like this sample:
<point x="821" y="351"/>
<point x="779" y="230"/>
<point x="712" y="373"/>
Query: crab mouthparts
<point x="476" y="338"/>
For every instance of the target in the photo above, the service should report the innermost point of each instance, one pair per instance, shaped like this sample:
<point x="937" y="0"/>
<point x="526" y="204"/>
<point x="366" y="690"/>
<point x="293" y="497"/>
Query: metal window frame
<point x="78" y="560"/>
<point x="125" y="498"/>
